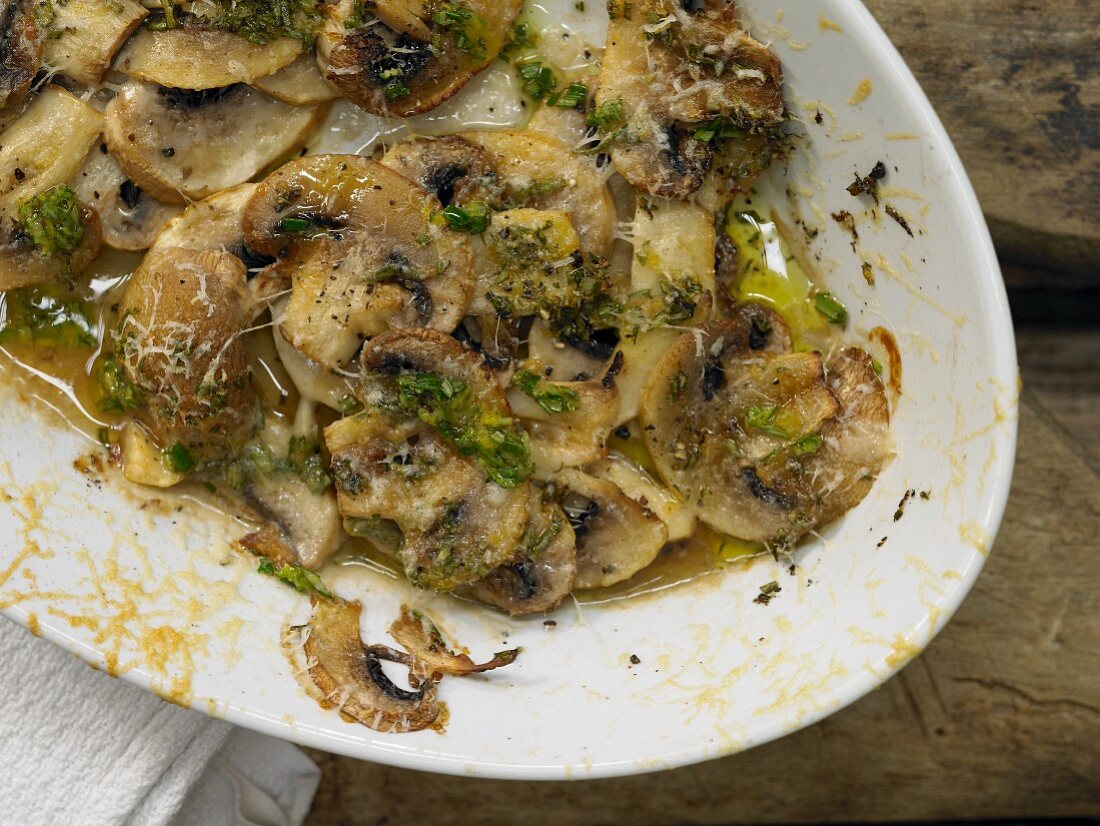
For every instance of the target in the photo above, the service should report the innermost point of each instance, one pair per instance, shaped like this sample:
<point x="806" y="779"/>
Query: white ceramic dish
<point x="154" y="594"/>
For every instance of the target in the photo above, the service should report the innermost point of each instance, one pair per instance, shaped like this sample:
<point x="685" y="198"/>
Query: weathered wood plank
<point x="998" y="718"/>
<point x="1017" y="84"/>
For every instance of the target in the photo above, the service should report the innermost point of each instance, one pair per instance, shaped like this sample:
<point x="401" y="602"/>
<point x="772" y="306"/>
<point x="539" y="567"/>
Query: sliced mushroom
<point x="443" y="485"/>
<point x="541" y="575"/>
<point x="130" y="218"/>
<point x="304" y="527"/>
<point x="574" y="430"/>
<point x="616" y="537"/>
<point x="728" y="428"/>
<point x="417" y="634"/>
<point x="341" y="672"/>
<point x="541" y="172"/>
<point x="23" y="264"/>
<point x="571" y="360"/>
<point x="495" y="339"/>
<point x="199" y="57"/>
<point x="86" y="34"/>
<point x="364" y="253"/>
<point x="179" y="145"/>
<point x="632" y="479"/>
<point x="567" y="125"/>
<point x="737" y="163"/>
<point x="673" y="67"/>
<point x="402" y="57"/>
<point x="179" y="341"/>
<point x="452" y="168"/>
<point x="46" y="146"/>
<point x="20" y="51"/>
<point x="856" y="444"/>
<point x="299" y="83"/>
<point x="214" y="223"/>
<point x="638" y="354"/>
<point x="312" y="380"/>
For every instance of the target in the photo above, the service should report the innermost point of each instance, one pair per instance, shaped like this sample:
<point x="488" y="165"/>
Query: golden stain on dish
<point x="862" y="92"/>
<point x="824" y="24"/>
<point x="885" y="339"/>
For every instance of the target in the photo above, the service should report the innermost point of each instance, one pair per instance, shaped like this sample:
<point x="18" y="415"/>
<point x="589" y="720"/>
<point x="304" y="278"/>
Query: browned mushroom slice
<point x="342" y="673"/>
<point x="86" y="34"/>
<point x="400" y="57"/>
<point x="365" y="255"/>
<point x="568" y="421"/>
<point x="198" y="57"/>
<point x="304" y="526"/>
<point x="637" y="355"/>
<point x="633" y="480"/>
<point x="179" y="145"/>
<point x="541" y="575"/>
<point x="571" y="360"/>
<point x="20" y="51"/>
<point x="46" y="146"/>
<point x="541" y="172"/>
<point x="452" y="168"/>
<point x="728" y="427"/>
<point x="436" y="451"/>
<point x="130" y="217"/>
<point x="418" y="635"/>
<point x="616" y="537"/>
<point x="300" y="84"/>
<point x="23" y="262"/>
<point x="676" y="80"/>
<point x="179" y="341"/>
<point x="856" y="444"/>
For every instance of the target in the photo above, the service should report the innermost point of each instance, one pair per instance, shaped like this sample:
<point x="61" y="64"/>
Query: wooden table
<point x="1000" y="717"/>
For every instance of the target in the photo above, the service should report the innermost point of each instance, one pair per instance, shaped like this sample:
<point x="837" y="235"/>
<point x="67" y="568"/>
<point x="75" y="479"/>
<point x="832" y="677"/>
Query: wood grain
<point x="1017" y="84"/>
<point x="998" y="718"/>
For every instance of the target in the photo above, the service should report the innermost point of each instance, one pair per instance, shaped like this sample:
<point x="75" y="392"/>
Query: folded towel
<point x="78" y="747"/>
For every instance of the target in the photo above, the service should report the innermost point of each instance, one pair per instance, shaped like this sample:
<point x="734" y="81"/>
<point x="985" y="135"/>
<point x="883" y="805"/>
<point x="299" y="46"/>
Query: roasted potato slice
<point x="403" y="57"/>
<point x="179" y="145"/>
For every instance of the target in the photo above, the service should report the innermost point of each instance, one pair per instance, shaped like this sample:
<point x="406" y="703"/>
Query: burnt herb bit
<point x="52" y="220"/>
<point x="767" y="593"/>
<point x="893" y="213"/>
<point x="472" y="218"/>
<point x="465" y="27"/>
<point x="553" y="398"/>
<point x="828" y="306"/>
<point x="178" y="458"/>
<point x="117" y="392"/>
<point x="538" y="80"/>
<point x="44" y="315"/>
<point x="299" y="578"/>
<point x="573" y="96"/>
<point x="449" y="407"/>
<point x="868" y="184"/>
<point x="762" y="417"/>
<point x="608" y="113"/>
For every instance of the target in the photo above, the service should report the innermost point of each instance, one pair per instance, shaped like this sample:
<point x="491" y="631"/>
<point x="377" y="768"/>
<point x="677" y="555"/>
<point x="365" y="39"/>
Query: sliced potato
<point x="299" y="83"/>
<point x="399" y="57"/>
<point x="178" y="145"/>
<point x="198" y="57"/>
<point x="89" y="33"/>
<point x="143" y="461"/>
<point x="674" y="251"/>
<point x="130" y="218"/>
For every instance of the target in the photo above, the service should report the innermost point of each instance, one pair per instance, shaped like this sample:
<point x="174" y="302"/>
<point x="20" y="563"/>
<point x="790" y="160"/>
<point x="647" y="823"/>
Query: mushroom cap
<point x="20" y="52"/>
<point x="397" y="60"/>
<point x="458" y="524"/>
<point x="371" y="258"/>
<point x="541" y="575"/>
<point x="340" y="671"/>
<point x="200" y="57"/>
<point x="652" y="65"/>
<point x="180" y="341"/>
<point x="130" y="217"/>
<point x="615" y="536"/>
<point x="728" y="424"/>
<point x="417" y="634"/>
<point x="452" y="168"/>
<point x="179" y="145"/>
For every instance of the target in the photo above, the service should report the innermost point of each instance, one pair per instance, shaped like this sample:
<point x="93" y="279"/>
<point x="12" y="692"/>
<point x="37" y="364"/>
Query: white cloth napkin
<point x="77" y="747"/>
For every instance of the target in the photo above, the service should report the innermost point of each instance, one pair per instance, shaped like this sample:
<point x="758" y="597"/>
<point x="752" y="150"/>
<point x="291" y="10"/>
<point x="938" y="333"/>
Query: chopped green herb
<point x="538" y="81"/>
<point x="117" y="392"/>
<point x="295" y="224"/>
<point x="876" y="365"/>
<point x="36" y="315"/>
<point x="464" y="26"/>
<point x="532" y="544"/>
<point x="571" y="98"/>
<point x="472" y="218"/>
<point x="553" y="398"/>
<point x="721" y="127"/>
<point x="676" y="386"/>
<point x="806" y="445"/>
<point x="521" y="38"/>
<point x="449" y="407"/>
<point x="761" y="417"/>
<point x="767" y="592"/>
<point x="52" y="220"/>
<point x="178" y="459"/>
<point x="396" y="90"/>
<point x="606" y="114"/>
<point x="296" y="576"/>
<point x="833" y="310"/>
<point x="258" y="21"/>
<point x="303" y="458"/>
